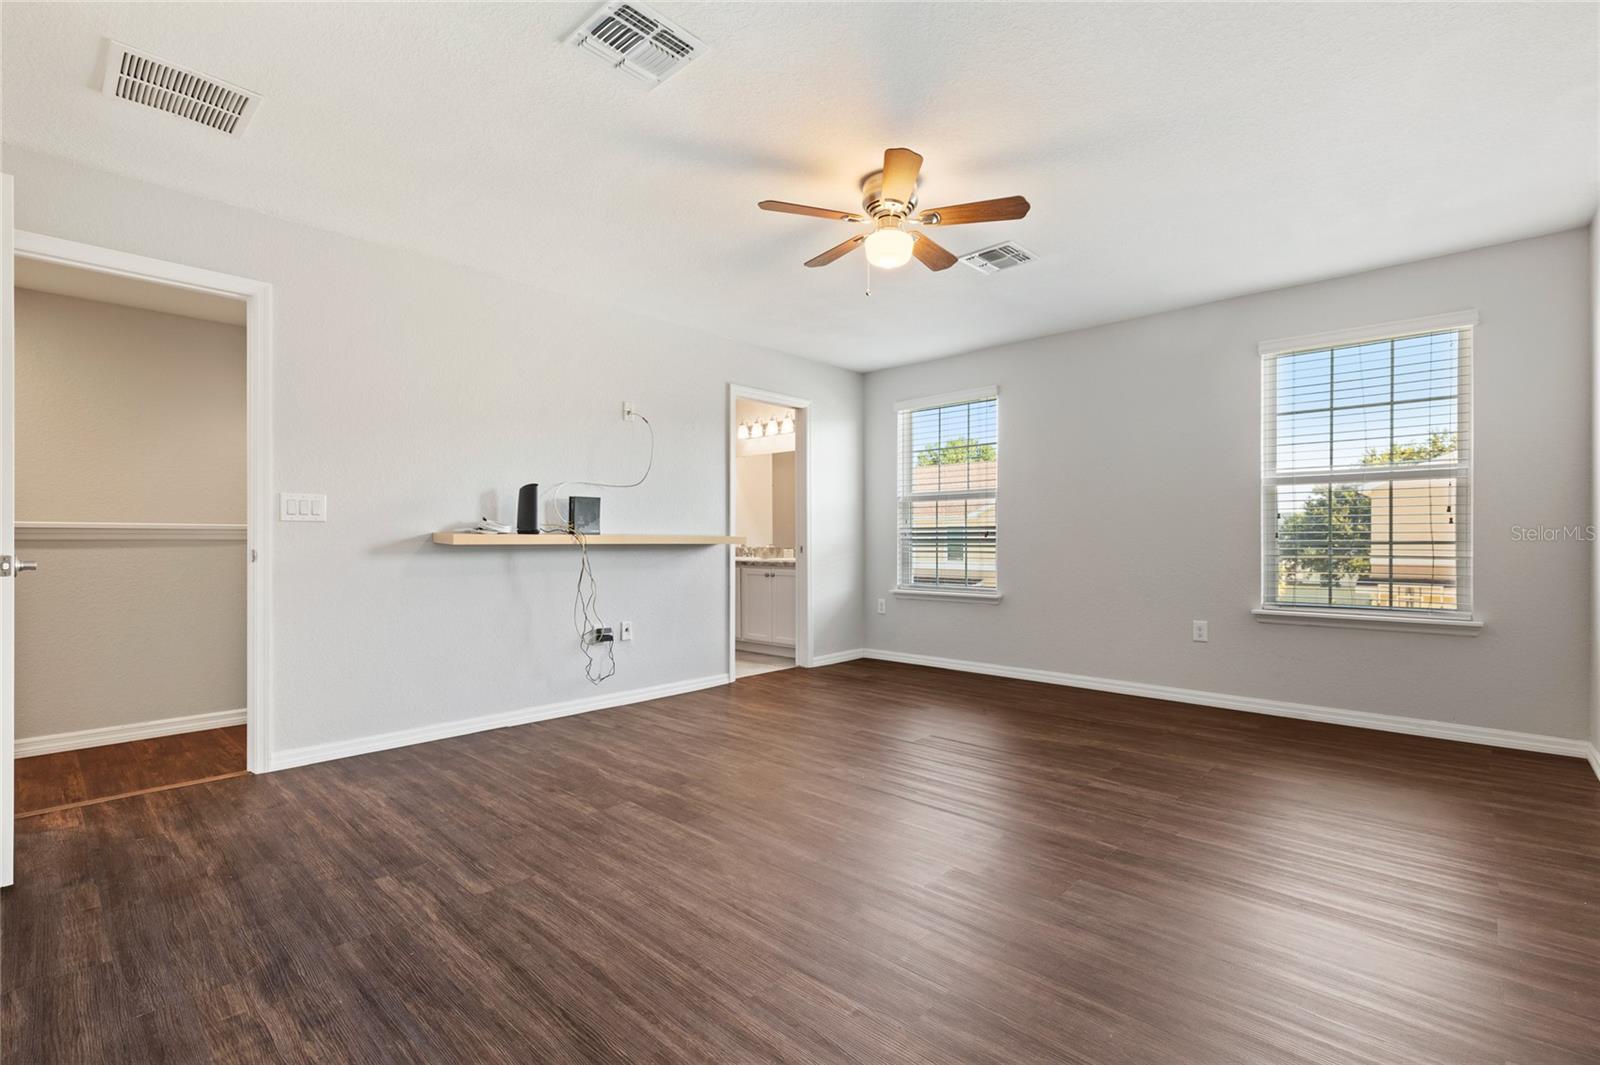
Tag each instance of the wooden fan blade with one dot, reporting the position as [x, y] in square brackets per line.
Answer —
[931, 255]
[960, 214]
[900, 169]
[814, 212]
[838, 251]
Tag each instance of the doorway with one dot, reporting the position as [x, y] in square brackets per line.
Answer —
[83, 550]
[769, 601]
[130, 501]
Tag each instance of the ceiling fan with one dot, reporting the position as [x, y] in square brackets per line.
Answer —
[889, 208]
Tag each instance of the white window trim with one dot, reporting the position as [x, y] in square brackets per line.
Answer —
[1339, 338]
[952, 595]
[1357, 619]
[1464, 624]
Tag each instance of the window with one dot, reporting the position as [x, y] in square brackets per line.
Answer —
[1366, 473]
[947, 486]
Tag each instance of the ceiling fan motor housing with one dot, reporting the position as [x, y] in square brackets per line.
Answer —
[875, 206]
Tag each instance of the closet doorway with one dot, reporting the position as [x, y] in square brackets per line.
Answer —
[133, 528]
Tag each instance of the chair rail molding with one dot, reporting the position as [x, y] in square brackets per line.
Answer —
[124, 531]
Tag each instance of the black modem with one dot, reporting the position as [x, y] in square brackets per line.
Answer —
[583, 514]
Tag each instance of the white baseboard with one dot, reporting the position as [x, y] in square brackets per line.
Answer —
[144, 730]
[327, 752]
[835, 657]
[1412, 726]
[1594, 759]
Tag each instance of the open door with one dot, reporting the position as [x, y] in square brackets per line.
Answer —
[8, 536]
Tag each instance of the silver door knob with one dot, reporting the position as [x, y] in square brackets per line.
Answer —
[11, 566]
[24, 567]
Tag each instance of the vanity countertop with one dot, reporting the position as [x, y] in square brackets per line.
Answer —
[751, 560]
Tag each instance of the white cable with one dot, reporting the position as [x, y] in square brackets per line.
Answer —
[648, 466]
[586, 606]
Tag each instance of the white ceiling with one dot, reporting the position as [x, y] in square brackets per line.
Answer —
[1173, 154]
[41, 275]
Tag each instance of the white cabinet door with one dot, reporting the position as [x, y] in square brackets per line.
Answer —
[782, 596]
[755, 605]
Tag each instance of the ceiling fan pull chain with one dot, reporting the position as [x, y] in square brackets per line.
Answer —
[869, 275]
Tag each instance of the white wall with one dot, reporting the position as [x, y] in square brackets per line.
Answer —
[1594, 433]
[127, 415]
[418, 394]
[1130, 459]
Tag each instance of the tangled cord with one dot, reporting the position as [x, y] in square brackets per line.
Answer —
[586, 603]
[586, 618]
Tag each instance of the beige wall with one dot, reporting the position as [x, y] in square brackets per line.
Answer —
[753, 501]
[126, 415]
[764, 513]
[783, 499]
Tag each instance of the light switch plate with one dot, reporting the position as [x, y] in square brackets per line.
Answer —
[302, 506]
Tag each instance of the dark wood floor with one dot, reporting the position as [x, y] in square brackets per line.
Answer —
[52, 781]
[870, 863]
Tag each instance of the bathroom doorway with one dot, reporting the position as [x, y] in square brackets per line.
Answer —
[767, 495]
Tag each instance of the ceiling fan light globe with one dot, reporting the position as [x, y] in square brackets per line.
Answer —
[888, 248]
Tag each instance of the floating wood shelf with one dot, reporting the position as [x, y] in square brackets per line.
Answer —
[475, 539]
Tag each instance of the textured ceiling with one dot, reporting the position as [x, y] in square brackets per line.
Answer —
[1173, 153]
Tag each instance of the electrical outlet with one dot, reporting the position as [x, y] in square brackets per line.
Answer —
[628, 412]
[883, 606]
[1199, 633]
[625, 631]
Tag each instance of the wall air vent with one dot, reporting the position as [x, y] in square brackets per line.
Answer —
[999, 257]
[142, 79]
[635, 40]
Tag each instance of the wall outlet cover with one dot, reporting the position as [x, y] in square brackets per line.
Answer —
[625, 630]
[302, 506]
[883, 606]
[1199, 632]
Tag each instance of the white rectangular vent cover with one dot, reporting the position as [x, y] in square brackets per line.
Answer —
[142, 79]
[999, 257]
[632, 38]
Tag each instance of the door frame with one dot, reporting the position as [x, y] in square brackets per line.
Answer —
[259, 509]
[802, 517]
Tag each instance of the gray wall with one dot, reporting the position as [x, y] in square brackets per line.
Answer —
[1130, 459]
[127, 415]
[419, 394]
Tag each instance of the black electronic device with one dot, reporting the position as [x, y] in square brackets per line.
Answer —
[583, 514]
[528, 509]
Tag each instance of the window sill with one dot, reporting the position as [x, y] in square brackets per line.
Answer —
[1392, 622]
[947, 595]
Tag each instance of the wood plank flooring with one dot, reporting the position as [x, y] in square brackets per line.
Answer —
[94, 774]
[872, 863]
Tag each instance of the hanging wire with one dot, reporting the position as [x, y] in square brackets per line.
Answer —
[586, 601]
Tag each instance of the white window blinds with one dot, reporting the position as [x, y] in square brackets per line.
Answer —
[949, 458]
[1367, 473]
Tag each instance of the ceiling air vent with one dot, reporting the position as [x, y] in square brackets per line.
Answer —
[632, 38]
[999, 257]
[144, 79]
